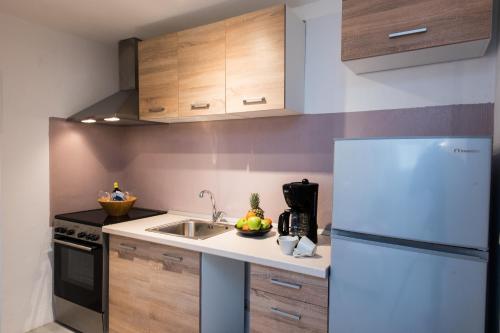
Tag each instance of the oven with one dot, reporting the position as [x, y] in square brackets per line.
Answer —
[81, 267]
[80, 272]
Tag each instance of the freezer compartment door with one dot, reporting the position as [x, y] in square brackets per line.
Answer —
[380, 288]
[433, 190]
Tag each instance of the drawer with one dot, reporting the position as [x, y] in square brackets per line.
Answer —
[128, 247]
[367, 25]
[296, 286]
[273, 313]
[175, 259]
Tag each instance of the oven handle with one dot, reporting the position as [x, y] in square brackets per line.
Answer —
[73, 245]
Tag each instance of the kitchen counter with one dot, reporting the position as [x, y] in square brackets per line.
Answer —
[262, 250]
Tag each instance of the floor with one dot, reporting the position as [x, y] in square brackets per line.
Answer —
[51, 328]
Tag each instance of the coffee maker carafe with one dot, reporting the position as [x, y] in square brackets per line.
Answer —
[301, 218]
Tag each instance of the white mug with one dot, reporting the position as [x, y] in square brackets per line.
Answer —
[305, 248]
[287, 243]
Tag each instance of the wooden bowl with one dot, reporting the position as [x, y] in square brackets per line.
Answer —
[117, 208]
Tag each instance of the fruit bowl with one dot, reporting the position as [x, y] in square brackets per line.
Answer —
[253, 233]
[117, 208]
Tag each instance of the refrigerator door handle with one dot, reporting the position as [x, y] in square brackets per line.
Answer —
[454, 251]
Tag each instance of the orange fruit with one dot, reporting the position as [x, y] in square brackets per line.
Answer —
[249, 214]
[245, 227]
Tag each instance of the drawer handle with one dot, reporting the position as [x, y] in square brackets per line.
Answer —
[285, 314]
[255, 100]
[197, 106]
[286, 284]
[156, 110]
[127, 247]
[171, 257]
[408, 32]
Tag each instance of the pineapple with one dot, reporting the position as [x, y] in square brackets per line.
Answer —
[254, 203]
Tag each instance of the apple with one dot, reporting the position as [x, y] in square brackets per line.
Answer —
[266, 223]
[241, 222]
[254, 223]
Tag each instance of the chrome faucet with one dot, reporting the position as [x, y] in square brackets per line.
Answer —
[216, 214]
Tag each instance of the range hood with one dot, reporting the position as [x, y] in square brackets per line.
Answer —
[121, 108]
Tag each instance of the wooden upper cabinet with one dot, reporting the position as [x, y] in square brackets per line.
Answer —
[202, 70]
[247, 66]
[158, 78]
[371, 29]
[255, 61]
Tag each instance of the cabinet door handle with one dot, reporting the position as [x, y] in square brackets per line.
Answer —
[196, 106]
[254, 100]
[127, 247]
[156, 110]
[285, 314]
[171, 257]
[408, 32]
[286, 284]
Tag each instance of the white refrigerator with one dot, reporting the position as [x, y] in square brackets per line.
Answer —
[410, 235]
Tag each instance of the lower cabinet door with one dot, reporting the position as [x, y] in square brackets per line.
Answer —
[273, 313]
[129, 283]
[174, 290]
[152, 288]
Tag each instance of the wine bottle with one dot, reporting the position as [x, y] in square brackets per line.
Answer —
[117, 194]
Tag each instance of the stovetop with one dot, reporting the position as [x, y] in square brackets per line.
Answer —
[98, 217]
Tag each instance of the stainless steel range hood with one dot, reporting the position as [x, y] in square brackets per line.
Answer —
[121, 108]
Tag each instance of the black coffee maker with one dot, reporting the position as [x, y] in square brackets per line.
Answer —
[301, 219]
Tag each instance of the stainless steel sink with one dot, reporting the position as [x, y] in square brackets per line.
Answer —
[195, 229]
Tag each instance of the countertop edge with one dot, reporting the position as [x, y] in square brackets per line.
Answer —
[319, 273]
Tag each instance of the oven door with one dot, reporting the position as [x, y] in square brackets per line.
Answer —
[78, 272]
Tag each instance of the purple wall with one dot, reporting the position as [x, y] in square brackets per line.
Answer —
[167, 165]
[83, 159]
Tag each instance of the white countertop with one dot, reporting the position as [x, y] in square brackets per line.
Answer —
[262, 250]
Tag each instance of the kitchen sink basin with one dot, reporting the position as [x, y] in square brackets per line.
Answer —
[195, 229]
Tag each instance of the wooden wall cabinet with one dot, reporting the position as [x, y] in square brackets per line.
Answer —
[202, 70]
[158, 78]
[246, 66]
[152, 288]
[264, 63]
[386, 34]
[282, 301]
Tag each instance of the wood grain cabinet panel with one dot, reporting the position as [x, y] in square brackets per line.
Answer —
[152, 288]
[284, 301]
[385, 27]
[274, 313]
[289, 284]
[246, 66]
[202, 70]
[255, 61]
[158, 78]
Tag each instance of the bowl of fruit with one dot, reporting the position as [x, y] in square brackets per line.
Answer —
[254, 223]
[116, 203]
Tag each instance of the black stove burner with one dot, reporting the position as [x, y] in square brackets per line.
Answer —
[98, 217]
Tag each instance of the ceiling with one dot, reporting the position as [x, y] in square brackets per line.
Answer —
[111, 20]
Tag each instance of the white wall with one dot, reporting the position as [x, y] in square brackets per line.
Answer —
[332, 87]
[45, 73]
